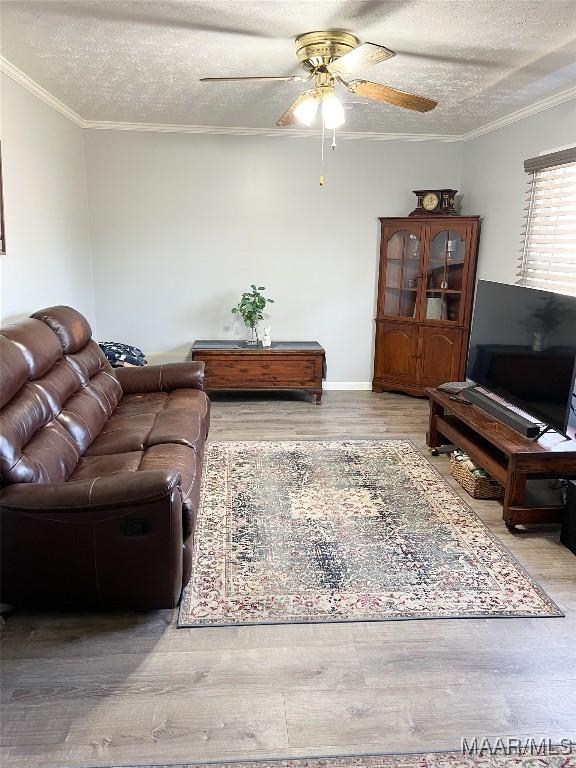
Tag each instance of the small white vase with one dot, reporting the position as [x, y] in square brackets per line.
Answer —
[266, 337]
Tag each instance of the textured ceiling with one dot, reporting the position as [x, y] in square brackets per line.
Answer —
[139, 62]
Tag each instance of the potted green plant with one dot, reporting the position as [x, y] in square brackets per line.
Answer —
[250, 308]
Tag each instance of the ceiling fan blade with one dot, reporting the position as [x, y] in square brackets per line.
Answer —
[288, 116]
[288, 78]
[365, 55]
[390, 95]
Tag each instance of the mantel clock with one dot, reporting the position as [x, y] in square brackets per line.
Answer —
[433, 202]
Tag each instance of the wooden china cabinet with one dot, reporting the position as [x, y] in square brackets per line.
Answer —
[425, 295]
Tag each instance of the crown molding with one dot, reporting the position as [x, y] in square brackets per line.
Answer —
[286, 133]
[291, 133]
[520, 114]
[33, 87]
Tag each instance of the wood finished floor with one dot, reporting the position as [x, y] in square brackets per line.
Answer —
[131, 688]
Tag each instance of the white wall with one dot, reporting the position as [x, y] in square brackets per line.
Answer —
[182, 224]
[494, 183]
[48, 258]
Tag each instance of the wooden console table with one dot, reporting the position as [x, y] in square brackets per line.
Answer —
[504, 453]
[286, 365]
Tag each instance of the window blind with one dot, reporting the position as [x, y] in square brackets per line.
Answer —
[548, 254]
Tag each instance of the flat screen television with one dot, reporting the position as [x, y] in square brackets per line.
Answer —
[523, 349]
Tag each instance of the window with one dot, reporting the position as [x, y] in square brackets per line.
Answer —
[548, 257]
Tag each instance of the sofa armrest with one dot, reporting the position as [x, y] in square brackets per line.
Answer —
[115, 491]
[161, 378]
[113, 542]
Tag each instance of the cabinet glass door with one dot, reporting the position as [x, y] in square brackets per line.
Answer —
[445, 276]
[400, 289]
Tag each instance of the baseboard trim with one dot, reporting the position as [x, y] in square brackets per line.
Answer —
[344, 386]
[160, 358]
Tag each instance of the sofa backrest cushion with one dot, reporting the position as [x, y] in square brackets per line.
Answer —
[57, 391]
[14, 371]
[72, 328]
[37, 343]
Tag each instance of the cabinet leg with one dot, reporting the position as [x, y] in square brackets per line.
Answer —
[513, 496]
[318, 397]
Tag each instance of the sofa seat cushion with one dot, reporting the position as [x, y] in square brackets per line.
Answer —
[191, 400]
[138, 432]
[91, 467]
[169, 456]
[145, 403]
[121, 434]
[176, 458]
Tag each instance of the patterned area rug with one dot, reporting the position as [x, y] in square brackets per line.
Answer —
[554, 757]
[343, 531]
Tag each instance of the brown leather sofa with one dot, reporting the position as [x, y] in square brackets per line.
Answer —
[100, 470]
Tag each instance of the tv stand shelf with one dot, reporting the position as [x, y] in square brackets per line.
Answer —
[508, 456]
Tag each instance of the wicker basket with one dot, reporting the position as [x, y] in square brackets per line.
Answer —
[477, 487]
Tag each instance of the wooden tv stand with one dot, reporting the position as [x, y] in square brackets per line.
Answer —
[504, 453]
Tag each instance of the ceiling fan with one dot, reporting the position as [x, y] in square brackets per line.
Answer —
[328, 58]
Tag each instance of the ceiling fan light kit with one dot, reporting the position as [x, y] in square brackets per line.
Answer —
[328, 57]
[332, 111]
[306, 110]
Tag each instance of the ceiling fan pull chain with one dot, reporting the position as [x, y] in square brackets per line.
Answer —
[333, 145]
[322, 158]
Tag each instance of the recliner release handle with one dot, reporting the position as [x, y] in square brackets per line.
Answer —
[134, 527]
